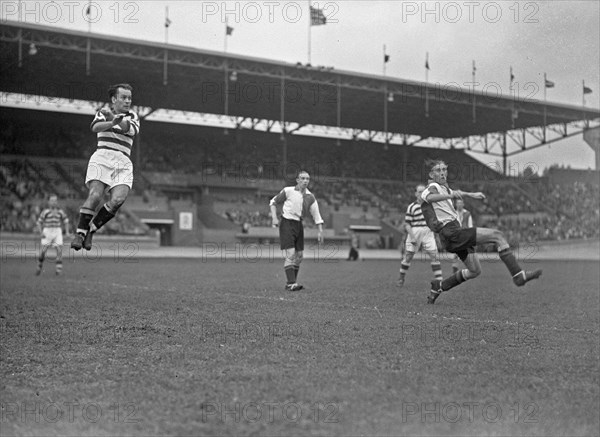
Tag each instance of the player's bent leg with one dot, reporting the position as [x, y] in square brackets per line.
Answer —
[455, 263]
[404, 266]
[436, 265]
[86, 213]
[118, 195]
[41, 258]
[520, 276]
[489, 235]
[472, 271]
[59, 263]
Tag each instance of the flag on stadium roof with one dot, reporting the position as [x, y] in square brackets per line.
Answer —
[548, 84]
[386, 58]
[427, 61]
[167, 22]
[587, 90]
[228, 30]
[317, 18]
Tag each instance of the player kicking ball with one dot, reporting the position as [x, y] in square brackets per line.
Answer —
[442, 218]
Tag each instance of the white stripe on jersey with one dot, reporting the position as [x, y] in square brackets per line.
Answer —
[414, 215]
[52, 218]
[444, 209]
[115, 138]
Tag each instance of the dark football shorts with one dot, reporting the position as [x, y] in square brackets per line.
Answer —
[291, 234]
[458, 240]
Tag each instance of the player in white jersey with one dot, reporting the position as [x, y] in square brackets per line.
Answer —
[297, 202]
[110, 166]
[466, 221]
[418, 235]
[49, 225]
[442, 218]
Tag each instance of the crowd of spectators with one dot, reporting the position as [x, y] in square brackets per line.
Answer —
[353, 174]
[24, 195]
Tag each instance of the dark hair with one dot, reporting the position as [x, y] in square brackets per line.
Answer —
[112, 90]
[430, 163]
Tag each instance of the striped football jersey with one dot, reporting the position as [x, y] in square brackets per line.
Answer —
[52, 218]
[115, 138]
[414, 216]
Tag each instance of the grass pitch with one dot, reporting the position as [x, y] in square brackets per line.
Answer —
[186, 347]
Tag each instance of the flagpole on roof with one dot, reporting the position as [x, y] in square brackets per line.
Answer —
[309, 29]
[510, 88]
[88, 49]
[166, 52]
[474, 98]
[545, 109]
[426, 84]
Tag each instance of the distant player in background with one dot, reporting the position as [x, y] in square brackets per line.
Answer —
[110, 166]
[297, 202]
[353, 253]
[49, 225]
[418, 234]
[466, 221]
[442, 218]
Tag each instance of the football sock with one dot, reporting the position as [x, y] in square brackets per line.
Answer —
[436, 266]
[508, 258]
[85, 217]
[404, 268]
[290, 274]
[296, 271]
[454, 279]
[103, 216]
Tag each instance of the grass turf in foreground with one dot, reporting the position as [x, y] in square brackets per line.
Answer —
[184, 347]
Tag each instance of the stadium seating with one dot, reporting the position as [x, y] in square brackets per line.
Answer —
[243, 169]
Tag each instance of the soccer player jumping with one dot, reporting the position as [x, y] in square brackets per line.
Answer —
[441, 217]
[110, 166]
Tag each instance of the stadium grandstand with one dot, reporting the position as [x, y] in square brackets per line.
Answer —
[222, 133]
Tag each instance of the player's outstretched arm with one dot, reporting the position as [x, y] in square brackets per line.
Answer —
[476, 195]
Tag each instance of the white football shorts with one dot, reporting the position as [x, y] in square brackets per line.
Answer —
[52, 236]
[424, 237]
[110, 167]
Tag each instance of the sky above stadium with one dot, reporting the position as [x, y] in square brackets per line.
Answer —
[559, 38]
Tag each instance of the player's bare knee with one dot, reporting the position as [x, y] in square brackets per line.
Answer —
[117, 201]
[499, 237]
[95, 196]
[299, 257]
[474, 271]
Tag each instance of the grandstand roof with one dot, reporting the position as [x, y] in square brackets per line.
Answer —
[195, 81]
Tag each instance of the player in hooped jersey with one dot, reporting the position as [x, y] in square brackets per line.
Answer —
[418, 235]
[442, 218]
[49, 225]
[110, 166]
